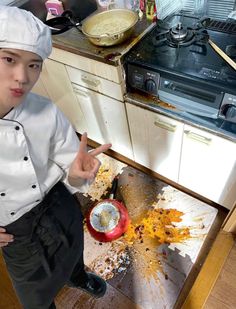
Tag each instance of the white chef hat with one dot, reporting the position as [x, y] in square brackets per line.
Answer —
[20, 29]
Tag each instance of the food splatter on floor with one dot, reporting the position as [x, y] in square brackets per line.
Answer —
[140, 243]
[160, 224]
[156, 228]
[116, 261]
[162, 221]
[151, 261]
[103, 181]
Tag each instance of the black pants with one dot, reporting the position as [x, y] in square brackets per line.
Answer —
[47, 251]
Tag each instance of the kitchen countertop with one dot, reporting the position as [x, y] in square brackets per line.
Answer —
[76, 42]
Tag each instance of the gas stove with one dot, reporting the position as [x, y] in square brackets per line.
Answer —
[176, 63]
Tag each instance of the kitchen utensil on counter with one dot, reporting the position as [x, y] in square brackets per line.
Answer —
[62, 23]
[103, 29]
[107, 220]
[205, 22]
[222, 54]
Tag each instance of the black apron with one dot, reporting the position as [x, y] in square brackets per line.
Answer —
[48, 245]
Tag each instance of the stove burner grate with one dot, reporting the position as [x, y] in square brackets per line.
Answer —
[178, 36]
[222, 26]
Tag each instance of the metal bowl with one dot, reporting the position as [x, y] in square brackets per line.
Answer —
[109, 27]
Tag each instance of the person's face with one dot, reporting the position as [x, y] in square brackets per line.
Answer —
[19, 71]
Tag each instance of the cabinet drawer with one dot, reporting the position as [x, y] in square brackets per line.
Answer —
[95, 83]
[106, 71]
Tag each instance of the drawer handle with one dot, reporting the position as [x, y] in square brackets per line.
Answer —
[90, 81]
[197, 137]
[165, 125]
[80, 92]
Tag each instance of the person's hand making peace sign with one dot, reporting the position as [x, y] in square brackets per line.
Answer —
[85, 164]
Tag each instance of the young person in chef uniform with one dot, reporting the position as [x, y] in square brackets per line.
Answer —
[42, 164]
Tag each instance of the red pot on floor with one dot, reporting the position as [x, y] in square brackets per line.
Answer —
[107, 220]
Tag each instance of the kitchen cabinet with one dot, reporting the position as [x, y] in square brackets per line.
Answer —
[106, 119]
[156, 141]
[91, 96]
[208, 166]
[55, 84]
[196, 159]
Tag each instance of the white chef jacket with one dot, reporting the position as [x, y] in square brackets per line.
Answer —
[37, 146]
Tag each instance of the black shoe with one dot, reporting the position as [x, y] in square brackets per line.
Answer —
[94, 285]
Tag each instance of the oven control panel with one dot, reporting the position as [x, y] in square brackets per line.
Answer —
[228, 108]
[142, 79]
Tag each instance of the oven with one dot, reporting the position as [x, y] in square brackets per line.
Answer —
[175, 63]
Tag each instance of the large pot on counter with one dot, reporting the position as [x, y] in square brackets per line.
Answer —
[103, 29]
[110, 27]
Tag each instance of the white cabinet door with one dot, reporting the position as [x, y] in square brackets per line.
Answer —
[58, 88]
[208, 166]
[106, 120]
[156, 141]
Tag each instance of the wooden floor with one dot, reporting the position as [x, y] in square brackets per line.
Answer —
[223, 295]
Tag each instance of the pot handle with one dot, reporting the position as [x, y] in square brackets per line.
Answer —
[114, 188]
[58, 24]
[62, 23]
[70, 16]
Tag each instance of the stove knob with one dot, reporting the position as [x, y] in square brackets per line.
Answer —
[151, 86]
[230, 111]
